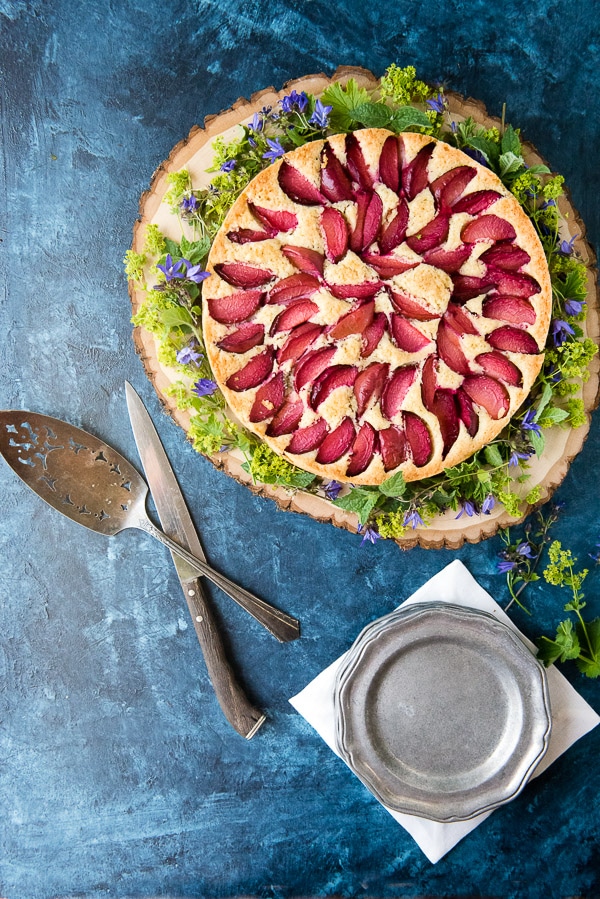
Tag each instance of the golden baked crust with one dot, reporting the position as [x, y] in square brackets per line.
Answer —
[444, 375]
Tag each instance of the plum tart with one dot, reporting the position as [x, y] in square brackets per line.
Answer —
[377, 302]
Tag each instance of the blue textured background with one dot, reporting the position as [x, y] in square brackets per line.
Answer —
[118, 775]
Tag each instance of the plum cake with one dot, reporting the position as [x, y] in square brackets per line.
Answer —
[377, 302]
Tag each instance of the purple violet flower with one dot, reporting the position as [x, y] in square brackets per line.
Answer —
[228, 165]
[204, 387]
[369, 535]
[468, 508]
[195, 273]
[596, 556]
[275, 151]
[320, 116]
[189, 204]
[332, 490]
[505, 565]
[453, 127]
[574, 307]
[516, 457]
[413, 519]
[295, 99]
[488, 504]
[170, 269]
[477, 155]
[257, 122]
[524, 549]
[565, 247]
[560, 331]
[438, 104]
[529, 424]
[188, 355]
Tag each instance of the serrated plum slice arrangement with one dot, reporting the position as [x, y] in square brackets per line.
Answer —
[377, 302]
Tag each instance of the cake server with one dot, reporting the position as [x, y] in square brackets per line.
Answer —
[177, 523]
[90, 483]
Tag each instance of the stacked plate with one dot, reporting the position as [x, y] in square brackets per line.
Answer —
[442, 711]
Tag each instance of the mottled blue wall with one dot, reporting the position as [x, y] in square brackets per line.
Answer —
[118, 775]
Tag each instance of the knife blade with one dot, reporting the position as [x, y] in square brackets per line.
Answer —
[177, 523]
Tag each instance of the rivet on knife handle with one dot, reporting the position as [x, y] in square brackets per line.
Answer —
[236, 706]
[280, 624]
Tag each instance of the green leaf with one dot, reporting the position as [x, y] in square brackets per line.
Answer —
[552, 416]
[591, 635]
[176, 317]
[343, 102]
[538, 442]
[565, 646]
[360, 501]
[543, 401]
[406, 117]
[493, 456]
[372, 115]
[510, 141]
[489, 148]
[173, 248]
[540, 169]
[195, 251]
[394, 486]
[509, 163]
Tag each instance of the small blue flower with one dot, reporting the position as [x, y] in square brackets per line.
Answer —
[320, 116]
[516, 457]
[189, 204]
[189, 355]
[195, 273]
[453, 127]
[596, 556]
[332, 490]
[438, 104]
[560, 331]
[228, 165]
[257, 122]
[468, 508]
[565, 247]
[524, 549]
[251, 141]
[295, 99]
[204, 387]
[488, 504]
[574, 307]
[370, 535]
[477, 155]
[505, 565]
[413, 519]
[170, 269]
[275, 151]
[529, 424]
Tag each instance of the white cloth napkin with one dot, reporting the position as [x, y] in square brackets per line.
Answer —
[572, 717]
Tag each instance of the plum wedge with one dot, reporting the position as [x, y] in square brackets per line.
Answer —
[363, 450]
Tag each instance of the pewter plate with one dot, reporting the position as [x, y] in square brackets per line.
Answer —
[442, 711]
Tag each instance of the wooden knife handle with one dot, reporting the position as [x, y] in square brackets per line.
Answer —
[236, 706]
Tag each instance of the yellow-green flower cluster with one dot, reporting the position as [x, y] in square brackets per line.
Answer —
[401, 85]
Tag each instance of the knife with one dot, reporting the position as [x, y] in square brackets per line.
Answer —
[177, 524]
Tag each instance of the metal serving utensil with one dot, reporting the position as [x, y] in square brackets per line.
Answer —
[92, 484]
[177, 522]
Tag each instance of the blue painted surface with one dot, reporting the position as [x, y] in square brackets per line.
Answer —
[118, 775]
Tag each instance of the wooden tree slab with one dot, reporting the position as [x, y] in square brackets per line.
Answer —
[194, 153]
